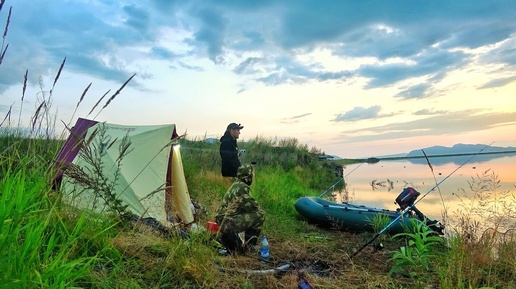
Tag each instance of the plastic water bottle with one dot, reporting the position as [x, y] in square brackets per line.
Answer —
[264, 249]
[303, 284]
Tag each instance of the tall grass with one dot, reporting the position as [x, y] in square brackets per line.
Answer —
[95, 177]
[418, 256]
[51, 245]
[43, 243]
[482, 249]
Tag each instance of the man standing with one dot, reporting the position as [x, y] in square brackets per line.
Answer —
[229, 150]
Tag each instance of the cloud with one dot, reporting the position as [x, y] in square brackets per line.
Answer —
[110, 39]
[137, 18]
[41, 35]
[340, 75]
[431, 62]
[163, 53]
[439, 124]
[359, 113]
[301, 116]
[165, 6]
[249, 40]
[280, 69]
[429, 112]
[283, 69]
[384, 30]
[211, 33]
[190, 67]
[295, 119]
[415, 91]
[249, 65]
[506, 53]
[498, 82]
[4, 108]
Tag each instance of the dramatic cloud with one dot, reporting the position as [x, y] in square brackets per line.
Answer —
[106, 38]
[427, 63]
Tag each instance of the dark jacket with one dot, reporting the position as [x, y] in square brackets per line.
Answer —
[229, 155]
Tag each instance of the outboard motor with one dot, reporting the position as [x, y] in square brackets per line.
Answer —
[406, 199]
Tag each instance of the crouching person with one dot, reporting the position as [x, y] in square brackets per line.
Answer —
[239, 217]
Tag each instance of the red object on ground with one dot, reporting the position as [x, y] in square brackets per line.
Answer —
[212, 227]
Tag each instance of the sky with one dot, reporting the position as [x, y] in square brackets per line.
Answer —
[350, 78]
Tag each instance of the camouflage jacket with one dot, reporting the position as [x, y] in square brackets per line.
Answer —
[237, 201]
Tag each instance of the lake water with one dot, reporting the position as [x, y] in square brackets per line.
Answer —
[379, 184]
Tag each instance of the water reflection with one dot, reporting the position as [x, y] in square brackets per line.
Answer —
[447, 189]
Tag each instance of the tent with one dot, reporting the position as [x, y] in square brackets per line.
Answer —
[149, 179]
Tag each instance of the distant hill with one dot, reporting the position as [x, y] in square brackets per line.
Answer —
[439, 155]
[459, 153]
[460, 149]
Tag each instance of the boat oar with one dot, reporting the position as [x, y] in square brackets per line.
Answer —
[413, 205]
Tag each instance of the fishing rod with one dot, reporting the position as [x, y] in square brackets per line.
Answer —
[438, 188]
[340, 180]
[414, 204]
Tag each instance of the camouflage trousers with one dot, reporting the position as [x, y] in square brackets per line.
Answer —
[248, 226]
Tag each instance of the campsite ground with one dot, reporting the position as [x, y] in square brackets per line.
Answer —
[322, 256]
[49, 244]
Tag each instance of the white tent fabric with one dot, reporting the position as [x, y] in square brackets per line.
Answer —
[141, 184]
[179, 187]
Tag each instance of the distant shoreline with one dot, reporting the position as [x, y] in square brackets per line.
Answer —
[378, 159]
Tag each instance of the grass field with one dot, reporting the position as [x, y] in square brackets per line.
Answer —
[48, 244]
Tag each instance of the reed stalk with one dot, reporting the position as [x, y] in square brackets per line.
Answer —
[79, 103]
[115, 95]
[3, 48]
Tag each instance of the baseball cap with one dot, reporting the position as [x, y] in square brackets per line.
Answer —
[235, 126]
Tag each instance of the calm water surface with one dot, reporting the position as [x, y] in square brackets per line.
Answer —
[379, 184]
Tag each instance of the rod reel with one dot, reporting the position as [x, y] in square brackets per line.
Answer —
[406, 200]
